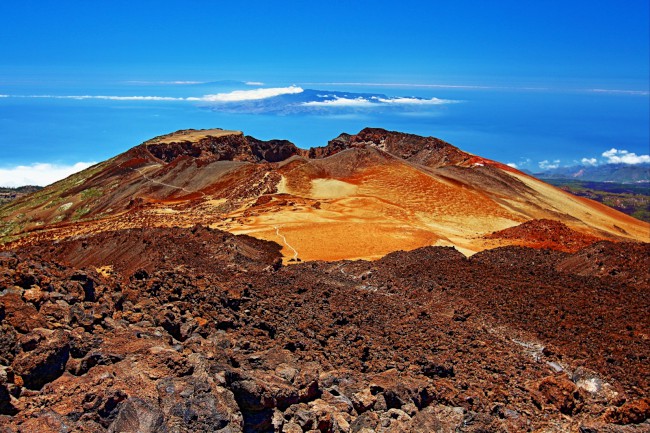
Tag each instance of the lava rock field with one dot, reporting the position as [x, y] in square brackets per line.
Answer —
[199, 330]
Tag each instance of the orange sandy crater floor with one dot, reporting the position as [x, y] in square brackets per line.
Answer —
[395, 207]
[380, 210]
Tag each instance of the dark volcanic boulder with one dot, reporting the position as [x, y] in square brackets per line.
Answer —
[44, 363]
[6, 408]
[138, 416]
[7, 343]
[197, 405]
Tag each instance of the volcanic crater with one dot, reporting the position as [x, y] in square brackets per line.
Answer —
[376, 192]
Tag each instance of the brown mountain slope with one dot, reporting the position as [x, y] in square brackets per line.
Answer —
[361, 196]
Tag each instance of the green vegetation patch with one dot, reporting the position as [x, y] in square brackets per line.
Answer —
[91, 193]
[54, 203]
[80, 212]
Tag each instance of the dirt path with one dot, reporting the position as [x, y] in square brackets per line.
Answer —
[277, 232]
[146, 177]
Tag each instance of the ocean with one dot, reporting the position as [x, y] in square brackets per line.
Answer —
[68, 123]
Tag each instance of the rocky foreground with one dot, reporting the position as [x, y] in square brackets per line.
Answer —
[198, 330]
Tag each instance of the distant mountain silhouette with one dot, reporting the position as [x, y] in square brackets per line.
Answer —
[620, 173]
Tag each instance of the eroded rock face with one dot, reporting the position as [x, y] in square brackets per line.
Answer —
[428, 151]
[234, 147]
[272, 150]
[512, 339]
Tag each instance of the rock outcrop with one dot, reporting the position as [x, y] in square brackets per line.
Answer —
[225, 147]
[428, 151]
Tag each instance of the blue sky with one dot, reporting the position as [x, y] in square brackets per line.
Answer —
[564, 43]
[534, 84]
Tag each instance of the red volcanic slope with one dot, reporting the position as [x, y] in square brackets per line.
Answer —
[361, 196]
[546, 234]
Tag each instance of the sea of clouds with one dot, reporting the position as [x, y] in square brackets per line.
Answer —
[290, 99]
[40, 174]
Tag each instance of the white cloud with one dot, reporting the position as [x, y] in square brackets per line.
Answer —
[415, 101]
[620, 92]
[512, 164]
[549, 165]
[340, 102]
[4, 96]
[171, 83]
[260, 94]
[461, 86]
[234, 96]
[254, 83]
[620, 156]
[436, 86]
[39, 173]
[106, 97]
[129, 98]
[181, 83]
[589, 161]
[249, 95]
[374, 101]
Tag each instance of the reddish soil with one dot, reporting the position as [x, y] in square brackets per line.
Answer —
[146, 249]
[545, 233]
[200, 330]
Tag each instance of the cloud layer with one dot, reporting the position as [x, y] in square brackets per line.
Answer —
[620, 92]
[249, 95]
[280, 100]
[549, 165]
[337, 101]
[352, 100]
[611, 156]
[415, 101]
[106, 97]
[234, 96]
[40, 174]
[620, 156]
